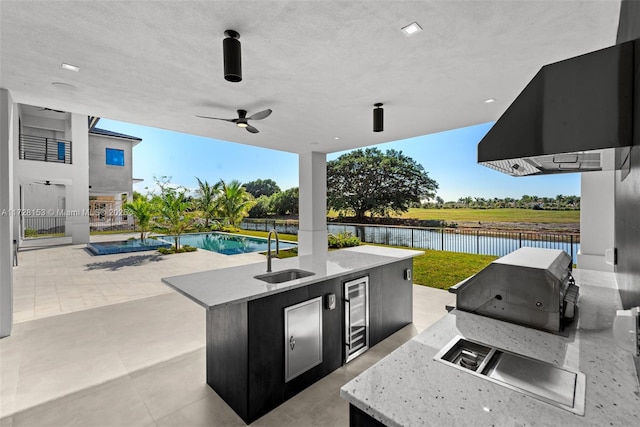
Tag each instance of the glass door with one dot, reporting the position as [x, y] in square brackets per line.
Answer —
[356, 317]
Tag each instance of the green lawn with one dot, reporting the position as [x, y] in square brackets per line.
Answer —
[496, 215]
[442, 269]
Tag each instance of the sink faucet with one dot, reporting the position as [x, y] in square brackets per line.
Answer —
[269, 248]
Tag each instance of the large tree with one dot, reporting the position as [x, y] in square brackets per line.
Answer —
[262, 187]
[368, 180]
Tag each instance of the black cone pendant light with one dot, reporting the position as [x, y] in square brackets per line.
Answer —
[232, 56]
[378, 118]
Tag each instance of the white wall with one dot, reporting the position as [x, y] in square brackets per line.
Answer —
[108, 179]
[8, 133]
[75, 176]
[312, 233]
[597, 217]
[78, 191]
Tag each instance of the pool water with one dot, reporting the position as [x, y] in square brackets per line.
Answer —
[227, 244]
[125, 246]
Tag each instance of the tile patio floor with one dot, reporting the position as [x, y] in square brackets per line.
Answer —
[99, 341]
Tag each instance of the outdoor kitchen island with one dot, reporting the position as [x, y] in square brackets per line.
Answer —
[256, 330]
[410, 388]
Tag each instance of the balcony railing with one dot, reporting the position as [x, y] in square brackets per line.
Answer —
[45, 149]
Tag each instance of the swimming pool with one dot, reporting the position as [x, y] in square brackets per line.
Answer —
[227, 244]
[125, 246]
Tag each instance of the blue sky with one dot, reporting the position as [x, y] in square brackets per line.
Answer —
[449, 158]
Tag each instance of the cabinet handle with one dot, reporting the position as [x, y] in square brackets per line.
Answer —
[292, 342]
[347, 323]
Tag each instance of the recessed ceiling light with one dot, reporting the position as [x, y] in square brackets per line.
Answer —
[336, 137]
[411, 29]
[489, 100]
[70, 67]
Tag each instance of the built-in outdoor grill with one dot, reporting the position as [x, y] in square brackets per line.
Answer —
[530, 286]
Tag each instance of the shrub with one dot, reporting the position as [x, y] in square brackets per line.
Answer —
[343, 240]
[30, 232]
[172, 250]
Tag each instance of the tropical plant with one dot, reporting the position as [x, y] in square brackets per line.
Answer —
[234, 201]
[173, 212]
[143, 210]
[207, 200]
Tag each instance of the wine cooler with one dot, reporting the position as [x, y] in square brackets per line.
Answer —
[356, 313]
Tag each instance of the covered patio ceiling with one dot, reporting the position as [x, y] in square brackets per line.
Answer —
[320, 65]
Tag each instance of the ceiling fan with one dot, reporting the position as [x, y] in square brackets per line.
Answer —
[47, 182]
[51, 109]
[243, 121]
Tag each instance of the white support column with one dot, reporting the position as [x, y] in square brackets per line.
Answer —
[8, 131]
[597, 216]
[312, 231]
[78, 192]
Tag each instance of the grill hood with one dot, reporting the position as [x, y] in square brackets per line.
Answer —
[567, 115]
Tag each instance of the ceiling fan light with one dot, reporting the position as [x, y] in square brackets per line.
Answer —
[378, 118]
[232, 56]
[242, 125]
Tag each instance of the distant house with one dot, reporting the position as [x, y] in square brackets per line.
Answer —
[110, 173]
[62, 182]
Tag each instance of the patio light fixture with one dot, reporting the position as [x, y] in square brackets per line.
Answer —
[378, 117]
[232, 56]
[411, 29]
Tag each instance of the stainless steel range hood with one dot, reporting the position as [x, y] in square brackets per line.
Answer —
[566, 115]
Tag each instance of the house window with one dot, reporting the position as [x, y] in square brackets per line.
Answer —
[61, 151]
[115, 157]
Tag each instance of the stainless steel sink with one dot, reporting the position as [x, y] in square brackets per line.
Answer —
[544, 381]
[284, 275]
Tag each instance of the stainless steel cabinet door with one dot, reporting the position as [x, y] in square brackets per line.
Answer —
[303, 337]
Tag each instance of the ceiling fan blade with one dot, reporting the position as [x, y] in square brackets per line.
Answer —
[217, 118]
[261, 115]
[252, 129]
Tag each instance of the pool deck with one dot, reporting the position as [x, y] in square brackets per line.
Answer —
[53, 280]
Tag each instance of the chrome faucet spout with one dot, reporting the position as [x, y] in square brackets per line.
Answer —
[269, 247]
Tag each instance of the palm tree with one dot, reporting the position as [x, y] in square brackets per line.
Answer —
[173, 208]
[234, 201]
[142, 209]
[207, 200]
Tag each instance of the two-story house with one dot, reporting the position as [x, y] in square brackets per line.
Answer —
[52, 166]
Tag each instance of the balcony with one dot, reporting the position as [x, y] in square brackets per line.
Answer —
[44, 149]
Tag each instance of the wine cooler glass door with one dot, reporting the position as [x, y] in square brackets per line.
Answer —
[356, 317]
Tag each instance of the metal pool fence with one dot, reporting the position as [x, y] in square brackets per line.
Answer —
[484, 242]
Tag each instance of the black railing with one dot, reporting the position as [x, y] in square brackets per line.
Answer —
[281, 226]
[39, 226]
[485, 242]
[45, 149]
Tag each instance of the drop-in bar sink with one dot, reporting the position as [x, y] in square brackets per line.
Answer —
[283, 276]
[544, 381]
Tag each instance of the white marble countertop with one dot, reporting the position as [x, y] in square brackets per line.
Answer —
[237, 284]
[410, 388]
